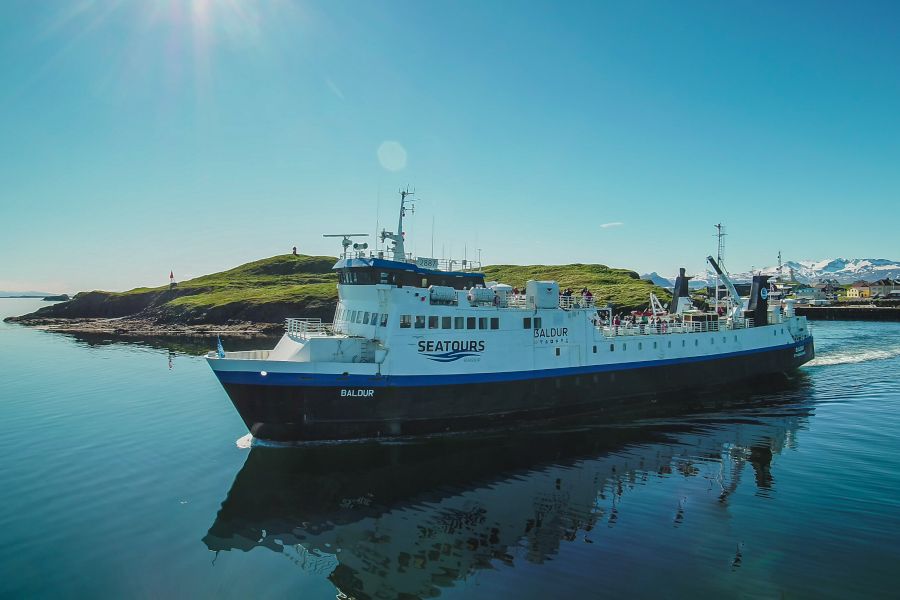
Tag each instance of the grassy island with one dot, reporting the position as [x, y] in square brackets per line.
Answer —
[268, 290]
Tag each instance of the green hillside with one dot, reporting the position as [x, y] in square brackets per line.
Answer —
[265, 290]
[270, 289]
[622, 287]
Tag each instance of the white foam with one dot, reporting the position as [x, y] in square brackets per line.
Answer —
[244, 442]
[846, 358]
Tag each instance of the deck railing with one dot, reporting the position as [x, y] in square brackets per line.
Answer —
[673, 327]
[307, 327]
[565, 302]
[570, 302]
[439, 264]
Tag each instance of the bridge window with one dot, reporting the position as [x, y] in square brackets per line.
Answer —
[482, 323]
[526, 323]
[470, 322]
[365, 318]
[384, 319]
[359, 317]
[446, 322]
[353, 316]
[374, 319]
[459, 322]
[405, 321]
[495, 323]
[420, 321]
[432, 322]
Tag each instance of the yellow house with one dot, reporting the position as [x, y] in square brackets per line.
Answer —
[860, 289]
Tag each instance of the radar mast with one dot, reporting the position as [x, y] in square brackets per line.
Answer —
[347, 242]
[397, 238]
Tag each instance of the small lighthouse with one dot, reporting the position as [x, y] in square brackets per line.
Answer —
[171, 279]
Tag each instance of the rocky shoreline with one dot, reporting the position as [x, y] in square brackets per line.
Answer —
[135, 326]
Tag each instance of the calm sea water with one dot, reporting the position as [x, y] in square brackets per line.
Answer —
[122, 477]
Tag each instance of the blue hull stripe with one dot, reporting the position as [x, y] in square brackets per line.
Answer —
[372, 381]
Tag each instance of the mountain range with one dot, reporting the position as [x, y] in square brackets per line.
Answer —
[27, 294]
[844, 270]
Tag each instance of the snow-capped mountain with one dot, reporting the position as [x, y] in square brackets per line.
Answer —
[844, 270]
[658, 279]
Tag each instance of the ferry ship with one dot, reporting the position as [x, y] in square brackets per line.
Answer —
[418, 346]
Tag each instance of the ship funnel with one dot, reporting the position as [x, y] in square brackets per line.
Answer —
[759, 300]
[681, 295]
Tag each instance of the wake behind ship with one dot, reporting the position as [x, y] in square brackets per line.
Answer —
[419, 347]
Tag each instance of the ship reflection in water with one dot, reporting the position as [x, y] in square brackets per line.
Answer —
[410, 519]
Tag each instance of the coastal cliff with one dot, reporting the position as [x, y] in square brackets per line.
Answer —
[256, 297]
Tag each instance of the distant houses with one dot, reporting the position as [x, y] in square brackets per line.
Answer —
[884, 288]
[808, 293]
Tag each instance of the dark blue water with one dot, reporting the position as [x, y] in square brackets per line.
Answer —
[121, 476]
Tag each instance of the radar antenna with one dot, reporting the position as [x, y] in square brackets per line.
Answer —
[347, 243]
[397, 238]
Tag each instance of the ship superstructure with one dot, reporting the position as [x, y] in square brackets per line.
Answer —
[426, 345]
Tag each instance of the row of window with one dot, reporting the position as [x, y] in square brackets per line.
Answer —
[411, 278]
[640, 345]
[419, 322]
[363, 317]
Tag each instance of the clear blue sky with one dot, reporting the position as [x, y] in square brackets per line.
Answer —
[139, 137]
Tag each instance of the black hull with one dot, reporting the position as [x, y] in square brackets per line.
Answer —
[305, 413]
